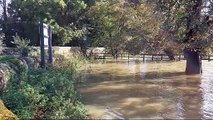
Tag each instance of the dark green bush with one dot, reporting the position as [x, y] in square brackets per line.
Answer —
[45, 94]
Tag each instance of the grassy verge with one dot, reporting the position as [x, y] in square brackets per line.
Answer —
[46, 94]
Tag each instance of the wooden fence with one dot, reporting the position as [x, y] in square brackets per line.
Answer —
[143, 57]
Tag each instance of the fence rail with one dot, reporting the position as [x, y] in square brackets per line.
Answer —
[143, 57]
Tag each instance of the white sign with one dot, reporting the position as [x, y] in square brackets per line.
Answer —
[46, 36]
[45, 30]
[46, 41]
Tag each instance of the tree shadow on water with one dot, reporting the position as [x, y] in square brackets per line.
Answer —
[136, 77]
[139, 100]
[139, 95]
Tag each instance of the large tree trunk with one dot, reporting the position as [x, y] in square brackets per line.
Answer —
[193, 61]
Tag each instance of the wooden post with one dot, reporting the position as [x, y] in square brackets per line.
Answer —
[128, 57]
[179, 57]
[104, 57]
[161, 57]
[121, 56]
[116, 57]
[209, 58]
[152, 57]
[143, 58]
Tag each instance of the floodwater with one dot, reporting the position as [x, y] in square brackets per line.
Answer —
[147, 90]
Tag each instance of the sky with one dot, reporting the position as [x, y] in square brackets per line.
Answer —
[1, 7]
[206, 9]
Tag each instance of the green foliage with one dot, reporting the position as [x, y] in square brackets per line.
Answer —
[135, 46]
[143, 25]
[187, 23]
[22, 44]
[117, 24]
[61, 15]
[45, 94]
[106, 21]
[75, 64]
[17, 65]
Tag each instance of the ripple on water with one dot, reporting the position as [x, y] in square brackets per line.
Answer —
[156, 90]
[207, 90]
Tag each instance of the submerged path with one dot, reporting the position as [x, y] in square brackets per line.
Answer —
[150, 90]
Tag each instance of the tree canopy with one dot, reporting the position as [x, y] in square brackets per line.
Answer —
[189, 22]
[63, 16]
[119, 25]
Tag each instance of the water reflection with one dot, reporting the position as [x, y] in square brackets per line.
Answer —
[148, 90]
[207, 91]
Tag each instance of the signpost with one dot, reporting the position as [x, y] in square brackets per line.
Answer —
[45, 43]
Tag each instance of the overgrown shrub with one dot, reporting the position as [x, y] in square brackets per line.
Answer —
[14, 65]
[22, 45]
[74, 64]
[46, 94]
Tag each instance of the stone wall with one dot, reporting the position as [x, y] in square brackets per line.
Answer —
[65, 51]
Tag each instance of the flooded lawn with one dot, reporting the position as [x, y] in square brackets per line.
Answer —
[147, 90]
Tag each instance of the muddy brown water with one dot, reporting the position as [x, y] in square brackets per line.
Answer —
[148, 90]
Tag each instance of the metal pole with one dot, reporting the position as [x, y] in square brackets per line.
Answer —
[50, 60]
[42, 45]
